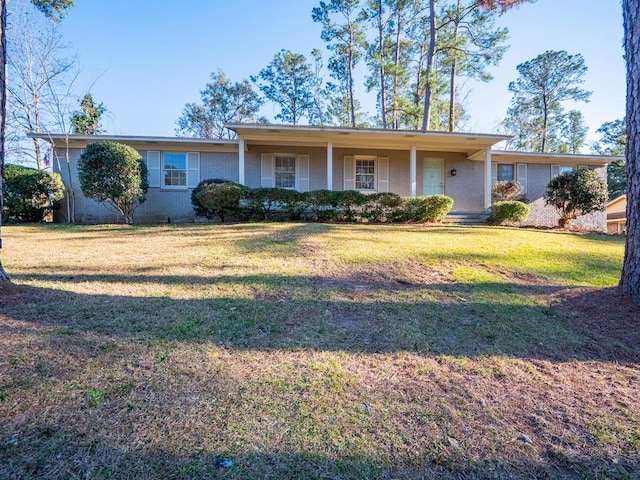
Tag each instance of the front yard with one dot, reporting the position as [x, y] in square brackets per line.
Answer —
[316, 351]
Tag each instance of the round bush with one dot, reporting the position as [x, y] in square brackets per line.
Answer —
[114, 173]
[509, 211]
[432, 208]
[576, 193]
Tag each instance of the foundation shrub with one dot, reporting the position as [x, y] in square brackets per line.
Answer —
[382, 207]
[509, 211]
[431, 208]
[221, 198]
[349, 205]
[322, 205]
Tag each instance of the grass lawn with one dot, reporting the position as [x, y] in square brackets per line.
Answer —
[312, 351]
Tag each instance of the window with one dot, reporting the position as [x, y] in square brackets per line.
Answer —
[565, 169]
[285, 171]
[174, 170]
[505, 172]
[365, 174]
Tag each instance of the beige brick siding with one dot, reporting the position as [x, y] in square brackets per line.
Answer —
[161, 205]
[466, 188]
[542, 215]
[219, 165]
[317, 164]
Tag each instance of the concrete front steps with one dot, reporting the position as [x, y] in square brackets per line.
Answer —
[466, 218]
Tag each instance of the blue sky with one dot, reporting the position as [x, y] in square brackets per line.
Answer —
[145, 59]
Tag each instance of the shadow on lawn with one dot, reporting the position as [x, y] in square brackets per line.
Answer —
[443, 462]
[289, 313]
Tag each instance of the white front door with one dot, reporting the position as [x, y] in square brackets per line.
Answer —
[432, 177]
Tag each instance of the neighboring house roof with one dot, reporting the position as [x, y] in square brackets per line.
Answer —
[618, 200]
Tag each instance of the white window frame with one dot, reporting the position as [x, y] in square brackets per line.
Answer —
[513, 172]
[558, 169]
[163, 172]
[291, 156]
[366, 158]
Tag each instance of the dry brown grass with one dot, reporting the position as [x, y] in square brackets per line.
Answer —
[314, 351]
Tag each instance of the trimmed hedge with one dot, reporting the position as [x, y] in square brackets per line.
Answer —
[219, 198]
[509, 211]
[216, 198]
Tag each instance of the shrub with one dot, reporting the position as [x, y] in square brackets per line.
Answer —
[509, 211]
[322, 204]
[432, 208]
[277, 203]
[29, 194]
[262, 202]
[294, 203]
[114, 173]
[222, 199]
[576, 193]
[198, 208]
[349, 203]
[381, 207]
[506, 190]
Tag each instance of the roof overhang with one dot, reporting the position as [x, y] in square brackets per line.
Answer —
[61, 140]
[370, 138]
[507, 156]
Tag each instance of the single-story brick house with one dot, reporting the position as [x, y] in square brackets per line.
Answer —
[463, 166]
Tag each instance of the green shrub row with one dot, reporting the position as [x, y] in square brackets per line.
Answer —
[222, 199]
[29, 194]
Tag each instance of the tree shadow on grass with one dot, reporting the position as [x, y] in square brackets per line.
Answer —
[74, 455]
[272, 312]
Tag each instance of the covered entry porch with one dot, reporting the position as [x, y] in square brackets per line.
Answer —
[409, 163]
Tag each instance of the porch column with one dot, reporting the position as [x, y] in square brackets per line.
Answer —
[329, 166]
[487, 180]
[413, 170]
[240, 160]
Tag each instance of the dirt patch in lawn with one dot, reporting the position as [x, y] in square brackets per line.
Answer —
[399, 275]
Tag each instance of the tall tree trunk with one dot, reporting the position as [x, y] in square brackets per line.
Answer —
[4, 278]
[350, 57]
[452, 80]
[630, 279]
[431, 53]
[396, 61]
[452, 95]
[383, 85]
[545, 125]
[352, 103]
